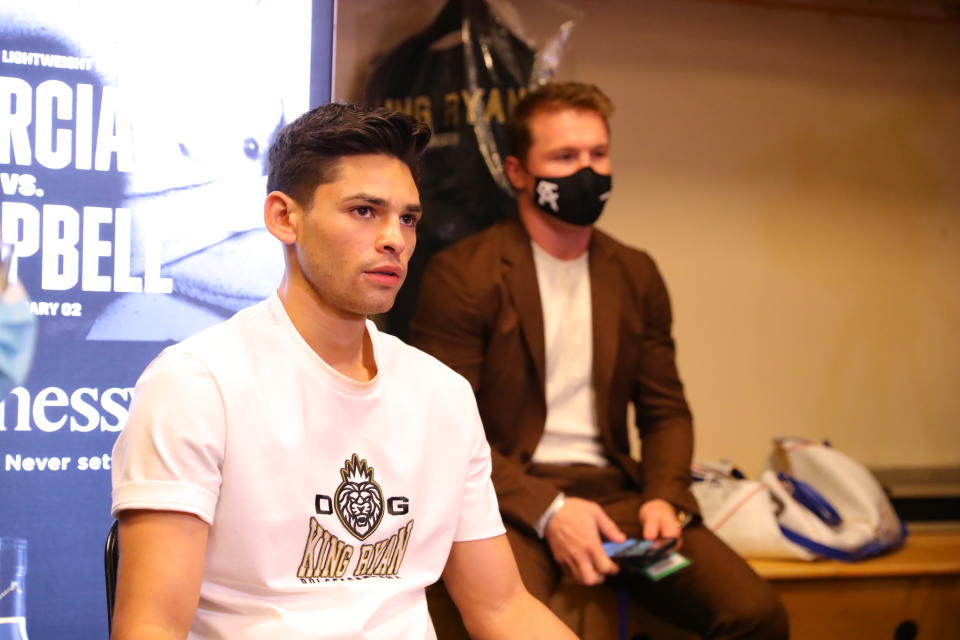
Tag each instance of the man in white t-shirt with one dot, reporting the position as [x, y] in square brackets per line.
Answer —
[294, 473]
[559, 327]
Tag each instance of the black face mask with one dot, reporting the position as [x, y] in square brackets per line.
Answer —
[577, 198]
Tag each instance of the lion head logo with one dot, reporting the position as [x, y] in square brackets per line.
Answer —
[359, 499]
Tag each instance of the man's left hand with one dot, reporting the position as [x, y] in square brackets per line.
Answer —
[659, 519]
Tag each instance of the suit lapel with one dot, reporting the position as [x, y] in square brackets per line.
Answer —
[605, 296]
[521, 277]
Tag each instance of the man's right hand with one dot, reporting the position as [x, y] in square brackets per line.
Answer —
[574, 535]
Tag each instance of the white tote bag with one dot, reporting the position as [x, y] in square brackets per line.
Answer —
[812, 502]
[743, 513]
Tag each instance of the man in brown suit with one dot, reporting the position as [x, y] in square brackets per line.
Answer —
[559, 327]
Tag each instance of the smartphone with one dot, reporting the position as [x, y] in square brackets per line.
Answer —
[632, 553]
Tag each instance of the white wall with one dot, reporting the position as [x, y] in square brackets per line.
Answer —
[796, 174]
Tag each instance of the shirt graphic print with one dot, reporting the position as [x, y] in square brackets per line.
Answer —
[358, 502]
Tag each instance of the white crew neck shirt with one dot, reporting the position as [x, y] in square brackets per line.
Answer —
[570, 435]
[333, 503]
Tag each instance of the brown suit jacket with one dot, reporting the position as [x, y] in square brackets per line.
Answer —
[479, 312]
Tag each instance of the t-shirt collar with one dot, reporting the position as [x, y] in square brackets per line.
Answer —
[336, 379]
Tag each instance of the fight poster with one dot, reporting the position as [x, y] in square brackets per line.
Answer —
[133, 141]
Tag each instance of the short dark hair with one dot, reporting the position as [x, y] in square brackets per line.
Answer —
[554, 96]
[305, 153]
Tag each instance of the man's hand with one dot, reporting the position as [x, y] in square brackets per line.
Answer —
[573, 534]
[659, 520]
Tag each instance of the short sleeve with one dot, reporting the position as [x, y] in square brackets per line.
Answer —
[479, 513]
[169, 455]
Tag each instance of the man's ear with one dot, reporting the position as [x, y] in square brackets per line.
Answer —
[515, 172]
[280, 216]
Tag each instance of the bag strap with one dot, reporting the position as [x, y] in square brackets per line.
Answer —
[810, 498]
[872, 548]
[818, 548]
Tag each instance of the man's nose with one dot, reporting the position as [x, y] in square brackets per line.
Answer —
[391, 236]
[586, 159]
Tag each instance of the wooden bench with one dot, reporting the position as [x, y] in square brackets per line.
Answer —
[917, 585]
[913, 592]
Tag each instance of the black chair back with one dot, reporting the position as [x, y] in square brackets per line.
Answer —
[111, 557]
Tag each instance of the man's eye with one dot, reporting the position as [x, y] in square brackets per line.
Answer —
[409, 219]
[363, 212]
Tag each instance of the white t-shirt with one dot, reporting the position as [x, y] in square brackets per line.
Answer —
[570, 433]
[332, 502]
